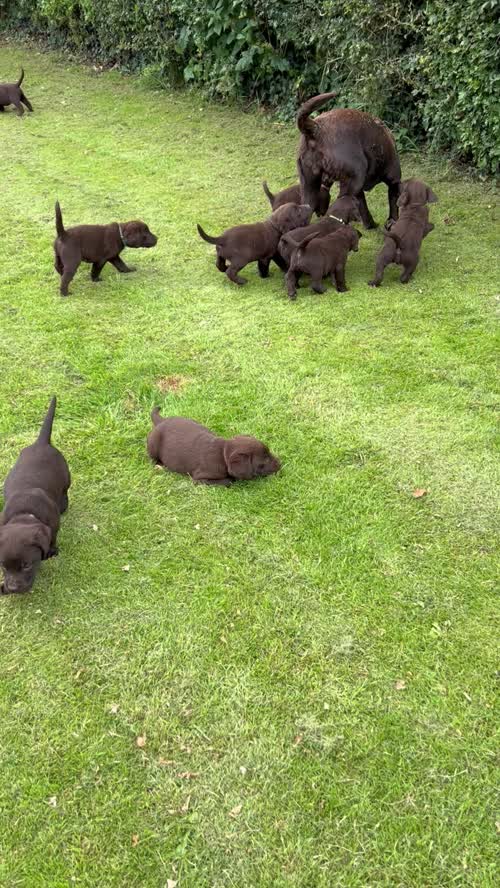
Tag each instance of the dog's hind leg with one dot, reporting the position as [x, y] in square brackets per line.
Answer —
[68, 275]
[263, 267]
[291, 283]
[20, 109]
[120, 265]
[385, 257]
[232, 274]
[366, 217]
[317, 286]
[26, 102]
[220, 263]
[408, 271]
[58, 264]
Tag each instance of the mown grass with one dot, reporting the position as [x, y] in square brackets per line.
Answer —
[261, 633]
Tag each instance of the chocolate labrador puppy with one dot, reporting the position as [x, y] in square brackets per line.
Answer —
[402, 242]
[341, 212]
[293, 195]
[97, 244]
[12, 94]
[255, 243]
[322, 256]
[35, 494]
[189, 448]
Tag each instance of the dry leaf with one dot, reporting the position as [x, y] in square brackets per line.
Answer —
[467, 696]
[243, 770]
[298, 740]
[185, 807]
[162, 761]
[114, 708]
[497, 825]
[400, 685]
[126, 568]
[171, 883]
[188, 775]
[95, 527]
[135, 840]
[53, 801]
[236, 811]
[140, 741]
[419, 493]
[77, 674]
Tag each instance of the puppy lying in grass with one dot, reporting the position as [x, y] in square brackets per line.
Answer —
[36, 495]
[340, 212]
[189, 448]
[293, 195]
[257, 242]
[403, 240]
[97, 244]
[12, 94]
[322, 256]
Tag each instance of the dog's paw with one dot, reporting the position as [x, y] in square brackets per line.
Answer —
[374, 283]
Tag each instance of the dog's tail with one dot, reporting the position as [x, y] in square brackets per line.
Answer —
[269, 194]
[305, 122]
[155, 416]
[307, 240]
[21, 78]
[395, 237]
[59, 221]
[207, 237]
[46, 430]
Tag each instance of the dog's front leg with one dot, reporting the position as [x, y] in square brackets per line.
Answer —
[120, 266]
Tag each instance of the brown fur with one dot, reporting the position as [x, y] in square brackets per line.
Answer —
[403, 240]
[97, 244]
[340, 212]
[255, 243]
[12, 94]
[35, 494]
[293, 194]
[350, 147]
[189, 448]
[322, 256]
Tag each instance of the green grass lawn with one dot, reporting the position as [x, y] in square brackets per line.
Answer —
[311, 657]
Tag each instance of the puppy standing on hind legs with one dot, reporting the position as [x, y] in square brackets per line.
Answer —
[403, 240]
[96, 244]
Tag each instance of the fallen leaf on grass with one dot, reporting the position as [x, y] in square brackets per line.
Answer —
[171, 883]
[95, 527]
[171, 383]
[400, 685]
[298, 740]
[126, 568]
[114, 708]
[467, 697]
[188, 775]
[140, 741]
[497, 825]
[53, 801]
[162, 761]
[236, 811]
[135, 840]
[419, 493]
[185, 807]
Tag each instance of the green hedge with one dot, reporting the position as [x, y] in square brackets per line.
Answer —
[428, 67]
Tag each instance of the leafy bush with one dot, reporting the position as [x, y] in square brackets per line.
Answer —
[425, 66]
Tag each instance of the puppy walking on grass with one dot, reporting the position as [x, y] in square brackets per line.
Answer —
[256, 243]
[97, 244]
[12, 94]
[320, 257]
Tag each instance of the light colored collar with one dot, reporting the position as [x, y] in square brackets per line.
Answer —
[124, 242]
[337, 219]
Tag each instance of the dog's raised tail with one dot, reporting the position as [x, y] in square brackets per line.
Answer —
[305, 122]
[59, 221]
[46, 430]
[269, 194]
[155, 416]
[21, 78]
[395, 237]
[207, 237]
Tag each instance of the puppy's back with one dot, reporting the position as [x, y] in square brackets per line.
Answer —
[179, 443]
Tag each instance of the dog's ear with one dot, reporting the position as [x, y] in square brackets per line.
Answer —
[431, 197]
[403, 199]
[41, 538]
[238, 462]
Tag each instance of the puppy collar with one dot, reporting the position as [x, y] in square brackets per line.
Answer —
[124, 242]
[336, 219]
